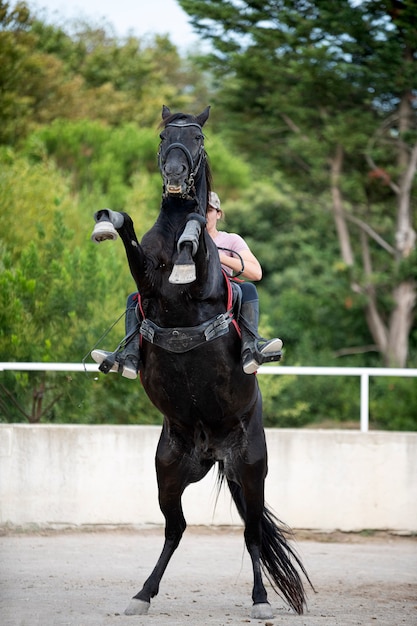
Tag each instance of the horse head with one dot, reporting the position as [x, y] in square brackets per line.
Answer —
[182, 157]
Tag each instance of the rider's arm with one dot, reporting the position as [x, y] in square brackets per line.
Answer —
[252, 271]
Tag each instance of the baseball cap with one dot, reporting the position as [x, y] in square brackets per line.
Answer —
[214, 200]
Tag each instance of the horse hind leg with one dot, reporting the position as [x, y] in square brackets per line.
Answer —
[269, 550]
[250, 507]
[173, 477]
[266, 542]
[175, 526]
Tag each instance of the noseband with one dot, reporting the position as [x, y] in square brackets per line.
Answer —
[192, 166]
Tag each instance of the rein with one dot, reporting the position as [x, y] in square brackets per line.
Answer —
[240, 272]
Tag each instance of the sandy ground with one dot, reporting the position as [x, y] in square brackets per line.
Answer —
[87, 579]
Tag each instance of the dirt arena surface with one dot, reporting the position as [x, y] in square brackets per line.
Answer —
[87, 579]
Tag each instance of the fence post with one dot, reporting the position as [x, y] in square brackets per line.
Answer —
[364, 403]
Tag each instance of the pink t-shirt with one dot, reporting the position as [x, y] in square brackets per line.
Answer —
[232, 241]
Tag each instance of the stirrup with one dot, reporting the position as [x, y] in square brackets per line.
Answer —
[273, 346]
[107, 361]
[257, 355]
[128, 366]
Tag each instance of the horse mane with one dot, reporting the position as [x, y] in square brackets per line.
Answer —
[208, 177]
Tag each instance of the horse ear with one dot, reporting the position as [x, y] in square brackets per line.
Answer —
[165, 112]
[203, 117]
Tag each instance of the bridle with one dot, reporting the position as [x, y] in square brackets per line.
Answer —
[193, 165]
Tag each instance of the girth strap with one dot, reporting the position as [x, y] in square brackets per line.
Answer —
[182, 339]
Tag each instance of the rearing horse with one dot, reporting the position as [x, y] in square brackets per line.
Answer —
[191, 367]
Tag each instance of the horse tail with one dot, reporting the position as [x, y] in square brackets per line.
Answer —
[279, 561]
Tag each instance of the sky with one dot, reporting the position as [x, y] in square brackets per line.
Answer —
[141, 17]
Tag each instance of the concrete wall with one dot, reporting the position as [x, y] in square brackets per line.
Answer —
[75, 475]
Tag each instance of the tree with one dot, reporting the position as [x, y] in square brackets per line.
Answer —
[15, 70]
[50, 307]
[311, 93]
[84, 72]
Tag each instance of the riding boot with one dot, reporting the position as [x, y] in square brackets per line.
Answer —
[255, 350]
[126, 358]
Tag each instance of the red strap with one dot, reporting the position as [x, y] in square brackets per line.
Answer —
[229, 303]
[138, 298]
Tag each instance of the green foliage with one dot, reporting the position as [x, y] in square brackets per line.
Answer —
[17, 71]
[392, 402]
[277, 412]
[51, 308]
[83, 72]
[101, 160]
[28, 207]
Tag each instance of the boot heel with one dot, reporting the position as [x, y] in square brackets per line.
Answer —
[129, 372]
[131, 367]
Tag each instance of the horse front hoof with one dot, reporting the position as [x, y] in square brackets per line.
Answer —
[104, 231]
[137, 607]
[182, 274]
[262, 611]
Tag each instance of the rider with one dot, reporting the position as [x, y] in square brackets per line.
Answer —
[255, 350]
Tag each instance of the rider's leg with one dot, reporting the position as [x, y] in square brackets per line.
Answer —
[255, 350]
[126, 359]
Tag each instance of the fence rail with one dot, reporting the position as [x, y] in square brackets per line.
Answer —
[364, 373]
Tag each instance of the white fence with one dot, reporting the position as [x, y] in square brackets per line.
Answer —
[364, 373]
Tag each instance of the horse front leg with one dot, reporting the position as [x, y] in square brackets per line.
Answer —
[109, 225]
[106, 223]
[184, 271]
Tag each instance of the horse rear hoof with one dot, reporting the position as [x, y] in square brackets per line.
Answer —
[103, 231]
[137, 607]
[262, 611]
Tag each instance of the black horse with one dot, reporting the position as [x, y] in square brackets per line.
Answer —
[191, 367]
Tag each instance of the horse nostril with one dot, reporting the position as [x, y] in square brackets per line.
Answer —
[174, 169]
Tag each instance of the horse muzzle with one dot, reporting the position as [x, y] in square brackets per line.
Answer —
[176, 187]
[175, 190]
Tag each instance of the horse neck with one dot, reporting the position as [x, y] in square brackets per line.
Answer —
[174, 212]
